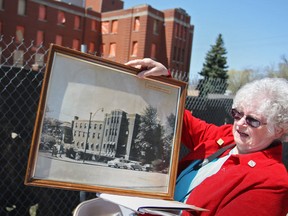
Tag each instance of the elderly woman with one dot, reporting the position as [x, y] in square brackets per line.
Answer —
[247, 177]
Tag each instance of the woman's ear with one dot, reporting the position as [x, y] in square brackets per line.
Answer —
[279, 132]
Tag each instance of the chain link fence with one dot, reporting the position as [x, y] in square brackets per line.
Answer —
[21, 74]
[22, 71]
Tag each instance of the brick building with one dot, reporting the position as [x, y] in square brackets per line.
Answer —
[103, 28]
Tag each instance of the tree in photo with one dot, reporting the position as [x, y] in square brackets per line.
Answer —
[149, 138]
[168, 139]
[214, 70]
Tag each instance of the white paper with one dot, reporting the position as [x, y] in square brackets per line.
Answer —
[140, 204]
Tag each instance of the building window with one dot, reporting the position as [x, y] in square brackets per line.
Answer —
[180, 31]
[93, 25]
[61, 18]
[19, 33]
[77, 22]
[42, 12]
[174, 53]
[58, 40]
[179, 54]
[112, 50]
[39, 59]
[153, 51]
[184, 33]
[21, 7]
[39, 38]
[76, 44]
[102, 49]
[134, 48]
[156, 27]
[182, 55]
[1, 4]
[176, 29]
[114, 26]
[136, 24]
[18, 58]
[91, 48]
[105, 27]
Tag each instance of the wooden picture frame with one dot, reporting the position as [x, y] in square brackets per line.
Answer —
[100, 128]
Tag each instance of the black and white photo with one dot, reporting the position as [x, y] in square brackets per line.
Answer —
[101, 128]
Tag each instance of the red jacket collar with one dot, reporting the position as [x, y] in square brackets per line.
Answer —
[271, 155]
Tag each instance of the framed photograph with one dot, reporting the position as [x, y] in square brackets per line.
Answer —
[100, 128]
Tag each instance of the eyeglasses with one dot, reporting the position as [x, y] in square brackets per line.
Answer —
[248, 119]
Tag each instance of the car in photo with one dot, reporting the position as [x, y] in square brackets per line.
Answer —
[134, 166]
[147, 167]
[118, 163]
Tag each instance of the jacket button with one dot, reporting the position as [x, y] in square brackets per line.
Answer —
[220, 142]
[252, 163]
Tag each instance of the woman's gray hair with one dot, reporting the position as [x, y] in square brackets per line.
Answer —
[269, 98]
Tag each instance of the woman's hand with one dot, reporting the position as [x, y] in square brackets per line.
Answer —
[149, 67]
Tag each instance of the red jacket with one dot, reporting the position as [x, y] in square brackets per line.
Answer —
[237, 188]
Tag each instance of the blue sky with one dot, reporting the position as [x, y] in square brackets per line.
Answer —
[255, 32]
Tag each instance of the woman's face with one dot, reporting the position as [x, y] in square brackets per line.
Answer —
[248, 138]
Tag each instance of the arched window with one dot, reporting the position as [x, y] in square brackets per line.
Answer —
[136, 24]
[134, 48]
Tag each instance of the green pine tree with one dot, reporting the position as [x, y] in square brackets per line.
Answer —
[214, 70]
